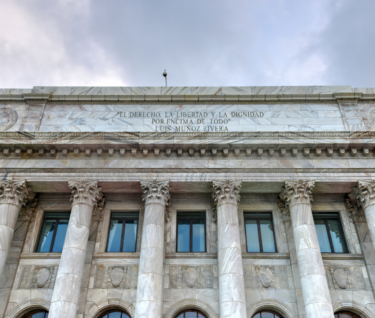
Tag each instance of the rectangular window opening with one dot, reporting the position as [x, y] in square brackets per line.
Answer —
[330, 233]
[123, 229]
[52, 235]
[260, 236]
[191, 232]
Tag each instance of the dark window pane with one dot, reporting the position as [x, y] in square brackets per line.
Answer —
[345, 315]
[46, 315]
[201, 316]
[116, 314]
[46, 236]
[321, 232]
[199, 244]
[258, 215]
[337, 236]
[190, 314]
[256, 316]
[267, 315]
[268, 242]
[57, 215]
[130, 236]
[114, 239]
[252, 236]
[60, 236]
[38, 315]
[125, 316]
[183, 240]
[181, 316]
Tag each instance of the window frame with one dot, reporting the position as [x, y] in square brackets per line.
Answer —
[54, 232]
[112, 311]
[245, 213]
[191, 229]
[37, 311]
[268, 311]
[123, 229]
[190, 310]
[329, 232]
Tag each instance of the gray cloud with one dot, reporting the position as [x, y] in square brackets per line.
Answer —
[238, 42]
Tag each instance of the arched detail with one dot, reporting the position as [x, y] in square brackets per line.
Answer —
[23, 308]
[100, 308]
[191, 303]
[362, 310]
[270, 304]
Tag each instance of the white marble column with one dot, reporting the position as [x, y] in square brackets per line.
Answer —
[297, 196]
[66, 293]
[150, 276]
[365, 194]
[12, 196]
[231, 280]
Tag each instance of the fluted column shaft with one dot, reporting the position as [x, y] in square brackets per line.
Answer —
[69, 276]
[12, 196]
[365, 195]
[231, 280]
[150, 276]
[317, 299]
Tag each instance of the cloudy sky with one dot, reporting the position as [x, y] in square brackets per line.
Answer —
[199, 42]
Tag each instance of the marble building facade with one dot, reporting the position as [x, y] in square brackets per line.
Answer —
[228, 153]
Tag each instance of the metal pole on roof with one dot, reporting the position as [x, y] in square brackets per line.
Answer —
[165, 75]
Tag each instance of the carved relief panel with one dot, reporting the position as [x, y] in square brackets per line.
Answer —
[114, 276]
[193, 276]
[37, 276]
[267, 276]
[345, 277]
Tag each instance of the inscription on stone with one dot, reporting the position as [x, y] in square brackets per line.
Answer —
[211, 121]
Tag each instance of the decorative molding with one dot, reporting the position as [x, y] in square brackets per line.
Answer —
[225, 191]
[355, 211]
[191, 303]
[297, 192]
[270, 304]
[8, 118]
[28, 212]
[365, 193]
[156, 192]
[14, 192]
[86, 192]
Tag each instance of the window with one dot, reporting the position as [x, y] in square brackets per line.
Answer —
[267, 314]
[191, 232]
[345, 314]
[36, 314]
[330, 233]
[115, 314]
[123, 232]
[260, 236]
[191, 314]
[53, 232]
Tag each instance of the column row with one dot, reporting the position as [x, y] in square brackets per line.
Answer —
[297, 196]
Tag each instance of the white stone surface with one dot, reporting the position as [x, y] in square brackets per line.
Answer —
[66, 293]
[231, 277]
[151, 271]
[316, 296]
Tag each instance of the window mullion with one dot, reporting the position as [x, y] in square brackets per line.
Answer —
[260, 236]
[191, 235]
[329, 237]
[54, 235]
[122, 235]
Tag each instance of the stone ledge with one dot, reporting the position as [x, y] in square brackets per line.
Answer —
[116, 255]
[337, 256]
[37, 256]
[265, 256]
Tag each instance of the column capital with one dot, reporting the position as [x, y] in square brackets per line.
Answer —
[296, 192]
[226, 191]
[364, 193]
[14, 192]
[85, 191]
[156, 191]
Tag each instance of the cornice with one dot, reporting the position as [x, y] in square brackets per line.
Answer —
[190, 94]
